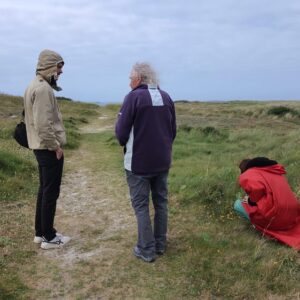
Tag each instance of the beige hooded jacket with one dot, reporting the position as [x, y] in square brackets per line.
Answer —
[45, 129]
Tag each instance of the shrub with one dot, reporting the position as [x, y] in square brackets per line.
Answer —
[64, 98]
[211, 131]
[73, 137]
[282, 111]
[185, 128]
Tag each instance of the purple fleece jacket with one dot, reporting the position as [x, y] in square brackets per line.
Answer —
[146, 127]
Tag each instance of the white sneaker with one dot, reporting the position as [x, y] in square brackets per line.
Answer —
[39, 239]
[57, 242]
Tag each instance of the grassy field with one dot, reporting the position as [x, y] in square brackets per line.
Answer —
[18, 186]
[212, 253]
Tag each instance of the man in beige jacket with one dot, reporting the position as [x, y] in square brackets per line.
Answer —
[46, 137]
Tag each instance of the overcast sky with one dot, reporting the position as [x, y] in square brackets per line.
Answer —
[201, 49]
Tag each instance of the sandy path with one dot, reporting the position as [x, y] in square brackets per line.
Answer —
[94, 209]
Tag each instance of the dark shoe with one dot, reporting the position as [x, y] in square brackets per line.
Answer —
[160, 251]
[138, 254]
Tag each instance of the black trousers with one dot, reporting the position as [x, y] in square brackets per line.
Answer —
[50, 174]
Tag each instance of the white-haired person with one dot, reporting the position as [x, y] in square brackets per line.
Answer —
[146, 128]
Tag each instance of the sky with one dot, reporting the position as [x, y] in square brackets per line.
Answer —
[203, 50]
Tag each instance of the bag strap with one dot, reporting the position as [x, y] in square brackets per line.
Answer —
[23, 116]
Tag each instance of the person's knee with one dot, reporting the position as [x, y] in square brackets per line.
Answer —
[140, 207]
[237, 204]
[161, 206]
[160, 199]
[240, 210]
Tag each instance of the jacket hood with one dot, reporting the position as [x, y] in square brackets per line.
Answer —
[274, 169]
[47, 67]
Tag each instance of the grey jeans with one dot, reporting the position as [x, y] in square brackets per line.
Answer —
[149, 240]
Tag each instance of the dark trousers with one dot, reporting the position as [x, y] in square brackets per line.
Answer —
[149, 239]
[50, 174]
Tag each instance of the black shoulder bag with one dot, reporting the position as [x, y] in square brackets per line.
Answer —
[20, 133]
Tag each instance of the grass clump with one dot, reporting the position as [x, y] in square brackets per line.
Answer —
[10, 164]
[6, 133]
[222, 253]
[185, 128]
[211, 252]
[281, 111]
[16, 174]
[72, 131]
[18, 187]
[209, 130]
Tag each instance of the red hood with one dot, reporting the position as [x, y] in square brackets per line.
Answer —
[274, 169]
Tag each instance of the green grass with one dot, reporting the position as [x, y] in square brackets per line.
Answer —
[225, 257]
[18, 187]
[16, 173]
[212, 253]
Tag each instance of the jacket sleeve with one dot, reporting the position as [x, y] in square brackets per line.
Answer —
[125, 120]
[174, 126]
[254, 188]
[43, 118]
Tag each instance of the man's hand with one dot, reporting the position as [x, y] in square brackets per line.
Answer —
[59, 153]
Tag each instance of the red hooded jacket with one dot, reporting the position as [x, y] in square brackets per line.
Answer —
[277, 210]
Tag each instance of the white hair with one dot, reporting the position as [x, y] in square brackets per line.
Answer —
[146, 73]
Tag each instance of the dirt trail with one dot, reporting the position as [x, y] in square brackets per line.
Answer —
[94, 209]
[95, 128]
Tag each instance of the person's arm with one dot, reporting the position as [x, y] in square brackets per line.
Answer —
[43, 118]
[125, 120]
[174, 126]
[255, 189]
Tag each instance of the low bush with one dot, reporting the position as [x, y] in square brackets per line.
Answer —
[10, 164]
[73, 136]
[16, 176]
[282, 111]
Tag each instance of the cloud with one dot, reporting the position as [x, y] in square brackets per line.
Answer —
[192, 44]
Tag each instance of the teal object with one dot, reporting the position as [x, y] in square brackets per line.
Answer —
[239, 208]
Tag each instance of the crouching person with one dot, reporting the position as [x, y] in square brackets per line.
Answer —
[269, 203]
